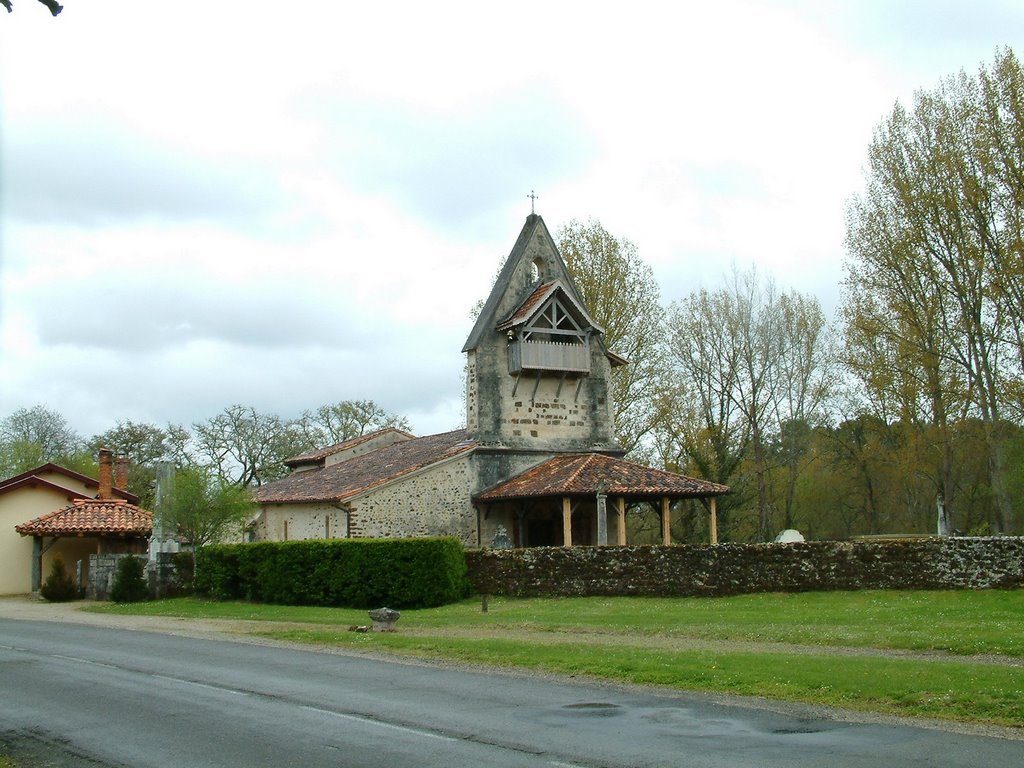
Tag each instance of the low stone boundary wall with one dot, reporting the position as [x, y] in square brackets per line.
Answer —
[730, 569]
[160, 574]
[102, 569]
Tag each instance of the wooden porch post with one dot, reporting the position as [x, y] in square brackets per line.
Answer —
[566, 522]
[713, 523]
[621, 508]
[666, 521]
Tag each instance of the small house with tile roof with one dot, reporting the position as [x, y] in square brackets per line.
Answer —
[50, 511]
[537, 463]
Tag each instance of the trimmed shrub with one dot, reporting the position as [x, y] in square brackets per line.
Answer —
[184, 571]
[60, 585]
[129, 581]
[354, 573]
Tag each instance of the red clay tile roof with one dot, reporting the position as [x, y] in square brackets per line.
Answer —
[323, 453]
[342, 481]
[92, 517]
[584, 474]
[534, 301]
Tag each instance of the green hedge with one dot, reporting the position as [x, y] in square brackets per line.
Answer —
[355, 573]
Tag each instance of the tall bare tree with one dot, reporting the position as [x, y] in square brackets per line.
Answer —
[338, 422]
[244, 447]
[753, 373]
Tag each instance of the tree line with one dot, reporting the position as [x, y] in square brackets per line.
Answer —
[904, 415]
[240, 446]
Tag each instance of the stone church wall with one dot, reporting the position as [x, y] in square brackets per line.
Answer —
[434, 502]
[570, 414]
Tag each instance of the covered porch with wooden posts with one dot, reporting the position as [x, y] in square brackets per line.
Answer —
[582, 499]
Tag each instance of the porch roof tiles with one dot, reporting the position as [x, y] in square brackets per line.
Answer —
[590, 473]
[92, 517]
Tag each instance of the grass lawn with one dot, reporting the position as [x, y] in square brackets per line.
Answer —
[859, 650]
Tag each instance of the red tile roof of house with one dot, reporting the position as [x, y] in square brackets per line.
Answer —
[345, 445]
[92, 517]
[585, 474]
[342, 481]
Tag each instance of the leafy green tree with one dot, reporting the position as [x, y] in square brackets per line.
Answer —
[935, 278]
[204, 508]
[145, 446]
[33, 436]
[620, 291]
[47, 428]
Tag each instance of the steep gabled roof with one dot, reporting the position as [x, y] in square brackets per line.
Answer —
[34, 481]
[33, 477]
[487, 318]
[343, 481]
[346, 445]
[588, 473]
[536, 301]
[92, 517]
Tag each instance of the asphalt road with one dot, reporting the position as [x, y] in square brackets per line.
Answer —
[112, 697]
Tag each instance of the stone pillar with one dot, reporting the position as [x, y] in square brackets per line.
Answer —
[713, 522]
[666, 521]
[621, 509]
[602, 520]
[37, 563]
[566, 521]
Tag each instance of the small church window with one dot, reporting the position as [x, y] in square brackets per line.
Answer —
[536, 269]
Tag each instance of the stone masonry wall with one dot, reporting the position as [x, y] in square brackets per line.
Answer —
[730, 569]
[161, 574]
[432, 503]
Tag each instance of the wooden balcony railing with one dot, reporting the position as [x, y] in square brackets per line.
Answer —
[548, 356]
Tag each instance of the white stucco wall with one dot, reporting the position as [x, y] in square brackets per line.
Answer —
[16, 507]
[290, 522]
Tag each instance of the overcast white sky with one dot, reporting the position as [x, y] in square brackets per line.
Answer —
[287, 205]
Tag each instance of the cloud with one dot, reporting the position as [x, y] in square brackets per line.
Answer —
[448, 168]
[94, 171]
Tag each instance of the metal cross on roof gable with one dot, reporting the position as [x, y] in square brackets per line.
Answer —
[533, 198]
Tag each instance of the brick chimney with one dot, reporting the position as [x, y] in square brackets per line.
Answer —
[121, 465]
[106, 475]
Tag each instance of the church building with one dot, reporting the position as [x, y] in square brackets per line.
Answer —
[537, 463]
